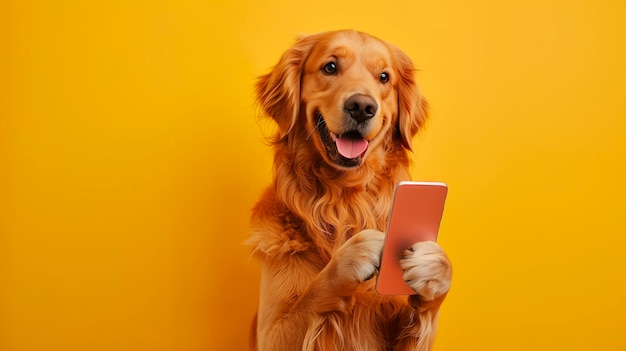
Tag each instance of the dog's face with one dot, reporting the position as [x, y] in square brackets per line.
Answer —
[348, 92]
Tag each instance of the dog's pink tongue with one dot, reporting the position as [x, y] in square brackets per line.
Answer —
[351, 148]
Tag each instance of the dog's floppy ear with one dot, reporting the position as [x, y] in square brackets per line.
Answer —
[412, 106]
[278, 92]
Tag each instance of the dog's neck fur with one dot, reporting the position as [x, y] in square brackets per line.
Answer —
[347, 201]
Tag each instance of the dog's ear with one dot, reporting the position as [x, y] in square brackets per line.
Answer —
[412, 106]
[278, 92]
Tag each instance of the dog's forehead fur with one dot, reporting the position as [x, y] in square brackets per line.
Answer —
[350, 47]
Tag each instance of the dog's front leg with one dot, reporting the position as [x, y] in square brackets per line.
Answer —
[355, 262]
[294, 297]
[428, 271]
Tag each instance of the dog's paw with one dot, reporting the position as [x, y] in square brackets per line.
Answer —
[427, 270]
[359, 258]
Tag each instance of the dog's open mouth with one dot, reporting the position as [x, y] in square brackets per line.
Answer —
[346, 149]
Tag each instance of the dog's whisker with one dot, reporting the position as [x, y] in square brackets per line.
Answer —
[320, 121]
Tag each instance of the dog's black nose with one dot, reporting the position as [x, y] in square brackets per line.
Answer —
[361, 107]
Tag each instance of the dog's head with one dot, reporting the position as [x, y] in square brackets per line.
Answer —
[348, 92]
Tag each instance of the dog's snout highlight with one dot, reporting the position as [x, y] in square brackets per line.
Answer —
[361, 107]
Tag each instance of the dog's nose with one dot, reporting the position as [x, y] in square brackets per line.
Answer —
[361, 107]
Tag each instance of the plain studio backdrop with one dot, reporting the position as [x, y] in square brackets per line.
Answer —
[131, 154]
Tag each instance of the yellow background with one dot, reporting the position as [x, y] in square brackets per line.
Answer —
[130, 155]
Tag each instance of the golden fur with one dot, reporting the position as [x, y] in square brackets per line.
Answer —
[317, 230]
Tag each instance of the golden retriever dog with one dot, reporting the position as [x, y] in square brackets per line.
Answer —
[346, 105]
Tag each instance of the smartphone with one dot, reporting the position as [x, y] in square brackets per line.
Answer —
[415, 216]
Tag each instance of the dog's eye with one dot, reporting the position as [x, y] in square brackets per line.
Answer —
[384, 77]
[330, 68]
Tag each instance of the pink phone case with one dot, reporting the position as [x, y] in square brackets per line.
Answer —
[415, 216]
